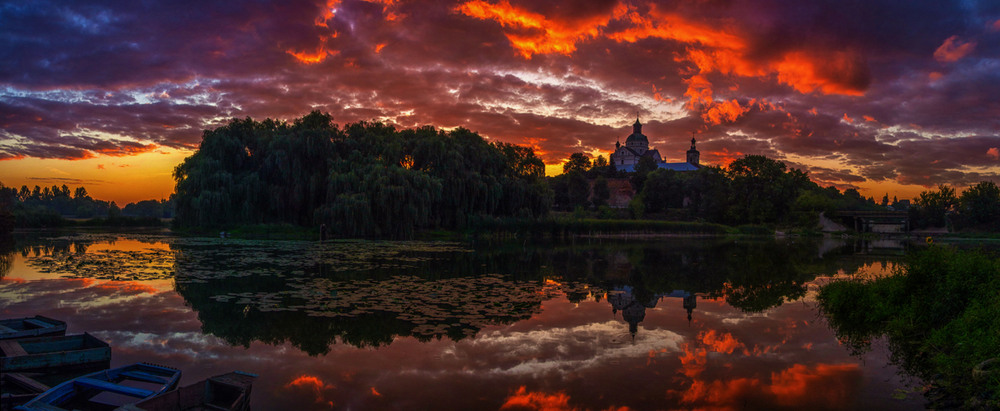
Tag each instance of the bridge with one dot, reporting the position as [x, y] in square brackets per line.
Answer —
[876, 221]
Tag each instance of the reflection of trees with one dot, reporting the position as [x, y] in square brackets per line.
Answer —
[6, 254]
[314, 301]
[751, 275]
[422, 294]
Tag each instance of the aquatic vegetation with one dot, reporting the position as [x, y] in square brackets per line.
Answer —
[434, 307]
[941, 314]
[367, 293]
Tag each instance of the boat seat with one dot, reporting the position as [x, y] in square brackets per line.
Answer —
[12, 349]
[38, 323]
[24, 381]
[141, 376]
[111, 387]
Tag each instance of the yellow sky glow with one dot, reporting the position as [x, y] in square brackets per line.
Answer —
[120, 179]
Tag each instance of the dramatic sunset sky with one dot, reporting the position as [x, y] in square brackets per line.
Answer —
[882, 95]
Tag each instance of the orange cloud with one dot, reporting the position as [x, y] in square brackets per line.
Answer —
[314, 384]
[953, 50]
[836, 72]
[537, 401]
[719, 342]
[319, 55]
[993, 152]
[711, 48]
[995, 26]
[799, 386]
[127, 150]
[658, 24]
[724, 156]
[725, 112]
[532, 33]
[822, 384]
[328, 12]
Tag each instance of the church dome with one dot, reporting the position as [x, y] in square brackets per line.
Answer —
[637, 138]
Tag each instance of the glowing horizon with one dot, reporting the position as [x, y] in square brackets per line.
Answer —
[851, 95]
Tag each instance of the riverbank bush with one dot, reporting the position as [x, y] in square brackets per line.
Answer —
[941, 314]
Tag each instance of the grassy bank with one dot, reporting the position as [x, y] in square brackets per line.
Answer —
[941, 314]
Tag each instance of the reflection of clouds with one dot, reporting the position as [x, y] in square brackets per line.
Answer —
[566, 355]
[191, 344]
[315, 386]
[78, 292]
[571, 349]
[522, 398]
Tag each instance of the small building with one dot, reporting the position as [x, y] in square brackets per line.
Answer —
[626, 157]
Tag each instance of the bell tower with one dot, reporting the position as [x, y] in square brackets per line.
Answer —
[693, 155]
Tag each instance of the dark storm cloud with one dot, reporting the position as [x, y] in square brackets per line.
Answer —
[890, 91]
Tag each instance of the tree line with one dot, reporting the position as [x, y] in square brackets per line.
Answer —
[750, 190]
[53, 206]
[366, 179]
[977, 208]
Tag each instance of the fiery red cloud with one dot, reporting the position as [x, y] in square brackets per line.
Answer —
[772, 77]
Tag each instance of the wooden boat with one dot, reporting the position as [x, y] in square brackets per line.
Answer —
[47, 353]
[229, 392]
[108, 389]
[31, 327]
[17, 388]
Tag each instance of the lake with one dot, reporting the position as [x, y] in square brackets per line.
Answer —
[658, 323]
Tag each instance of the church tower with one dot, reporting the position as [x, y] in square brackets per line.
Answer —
[637, 141]
[693, 155]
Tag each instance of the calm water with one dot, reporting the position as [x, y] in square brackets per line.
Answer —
[659, 324]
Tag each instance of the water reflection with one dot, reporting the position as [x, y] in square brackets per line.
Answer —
[6, 254]
[677, 323]
[368, 294]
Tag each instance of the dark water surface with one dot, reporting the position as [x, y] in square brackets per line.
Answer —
[669, 323]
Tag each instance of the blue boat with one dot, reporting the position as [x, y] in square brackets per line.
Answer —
[226, 392]
[31, 327]
[108, 389]
[53, 353]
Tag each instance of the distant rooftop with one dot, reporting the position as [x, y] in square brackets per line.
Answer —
[669, 166]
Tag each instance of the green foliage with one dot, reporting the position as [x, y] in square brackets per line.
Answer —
[979, 206]
[940, 314]
[365, 180]
[663, 189]
[762, 190]
[8, 197]
[578, 189]
[577, 162]
[599, 163]
[932, 207]
[601, 192]
[636, 207]
[645, 166]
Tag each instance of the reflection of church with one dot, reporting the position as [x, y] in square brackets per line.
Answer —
[626, 157]
[634, 311]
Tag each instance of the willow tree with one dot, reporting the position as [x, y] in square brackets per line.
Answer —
[364, 180]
